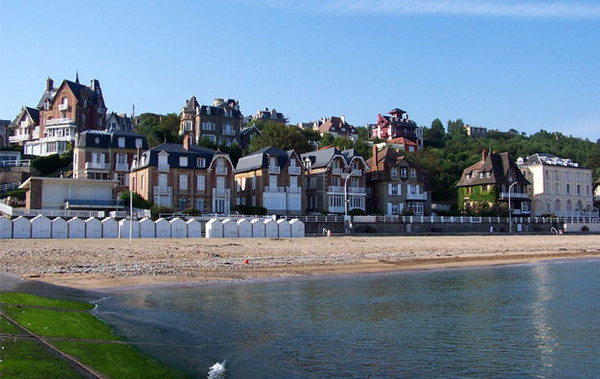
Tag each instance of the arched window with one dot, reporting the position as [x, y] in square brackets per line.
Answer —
[557, 206]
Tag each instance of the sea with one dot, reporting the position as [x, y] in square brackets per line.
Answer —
[537, 320]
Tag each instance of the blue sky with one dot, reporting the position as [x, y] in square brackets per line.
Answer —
[502, 64]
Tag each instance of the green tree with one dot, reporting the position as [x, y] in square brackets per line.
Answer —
[456, 127]
[435, 136]
[286, 137]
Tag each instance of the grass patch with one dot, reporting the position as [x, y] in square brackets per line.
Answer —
[27, 299]
[29, 359]
[7, 327]
[117, 361]
[52, 323]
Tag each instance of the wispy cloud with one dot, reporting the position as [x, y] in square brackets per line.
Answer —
[475, 8]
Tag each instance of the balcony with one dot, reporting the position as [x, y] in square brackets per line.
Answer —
[274, 169]
[63, 107]
[164, 167]
[121, 167]
[59, 121]
[229, 132]
[336, 189]
[294, 170]
[513, 195]
[357, 172]
[416, 196]
[294, 189]
[221, 170]
[19, 138]
[163, 190]
[337, 171]
[355, 190]
[274, 189]
[221, 192]
[97, 166]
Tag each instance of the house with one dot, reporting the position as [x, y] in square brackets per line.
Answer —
[597, 194]
[336, 126]
[488, 185]
[119, 122]
[4, 132]
[220, 123]
[64, 111]
[69, 193]
[269, 115]
[332, 177]
[25, 126]
[185, 176]
[476, 131]
[100, 154]
[246, 136]
[397, 125]
[271, 178]
[559, 186]
[397, 184]
[400, 143]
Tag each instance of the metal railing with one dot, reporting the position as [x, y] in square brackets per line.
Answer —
[9, 186]
[20, 163]
[274, 169]
[294, 170]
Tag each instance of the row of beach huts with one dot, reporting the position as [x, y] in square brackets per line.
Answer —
[43, 227]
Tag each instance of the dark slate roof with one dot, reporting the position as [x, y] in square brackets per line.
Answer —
[321, 158]
[47, 95]
[33, 113]
[260, 159]
[550, 160]
[497, 165]
[191, 105]
[109, 139]
[220, 111]
[251, 129]
[150, 157]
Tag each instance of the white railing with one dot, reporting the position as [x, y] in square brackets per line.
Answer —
[21, 163]
[294, 170]
[97, 166]
[513, 195]
[294, 189]
[163, 167]
[221, 170]
[121, 167]
[274, 169]
[59, 121]
[163, 190]
[229, 132]
[19, 138]
[8, 186]
[356, 189]
[274, 189]
[337, 171]
[63, 107]
[357, 172]
[221, 191]
[416, 196]
[57, 213]
[336, 189]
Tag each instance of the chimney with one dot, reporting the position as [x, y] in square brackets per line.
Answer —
[186, 142]
[484, 154]
[49, 84]
[343, 118]
[374, 157]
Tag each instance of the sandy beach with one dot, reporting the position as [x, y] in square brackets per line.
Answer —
[102, 264]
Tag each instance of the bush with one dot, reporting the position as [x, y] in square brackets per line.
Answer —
[192, 212]
[52, 163]
[138, 201]
[356, 212]
[585, 229]
[15, 193]
[251, 210]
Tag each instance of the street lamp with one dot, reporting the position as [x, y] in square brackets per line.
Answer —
[509, 210]
[348, 175]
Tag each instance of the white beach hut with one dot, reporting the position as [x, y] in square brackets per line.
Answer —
[110, 228]
[124, 229]
[147, 228]
[244, 228]
[60, 229]
[76, 228]
[163, 228]
[258, 228]
[41, 227]
[178, 228]
[297, 227]
[271, 228]
[284, 228]
[194, 228]
[229, 228]
[213, 228]
[21, 227]
[93, 228]
[5, 227]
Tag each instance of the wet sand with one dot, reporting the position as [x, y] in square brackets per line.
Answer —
[103, 264]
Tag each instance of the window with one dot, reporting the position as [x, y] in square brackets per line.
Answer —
[413, 173]
[568, 189]
[220, 182]
[162, 180]
[200, 205]
[200, 183]
[353, 182]
[121, 141]
[201, 162]
[142, 181]
[253, 186]
[293, 181]
[481, 176]
[183, 161]
[182, 203]
[392, 189]
[183, 182]
[579, 189]
[138, 142]
[272, 180]
[394, 172]
[335, 181]
[487, 174]
[403, 172]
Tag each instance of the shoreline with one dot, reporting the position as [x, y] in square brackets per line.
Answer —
[111, 265]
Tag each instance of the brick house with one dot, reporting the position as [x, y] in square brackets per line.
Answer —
[330, 172]
[338, 127]
[271, 178]
[486, 185]
[185, 176]
[64, 111]
[397, 125]
[397, 184]
[220, 122]
[100, 154]
[269, 115]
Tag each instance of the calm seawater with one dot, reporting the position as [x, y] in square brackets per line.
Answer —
[539, 320]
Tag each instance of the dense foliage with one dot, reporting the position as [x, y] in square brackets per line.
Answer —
[158, 128]
[51, 165]
[286, 137]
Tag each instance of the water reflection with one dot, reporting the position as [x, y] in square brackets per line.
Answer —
[542, 283]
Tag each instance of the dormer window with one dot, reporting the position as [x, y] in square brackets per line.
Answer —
[97, 141]
[183, 161]
[487, 174]
[121, 141]
[201, 163]
[481, 175]
[208, 111]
